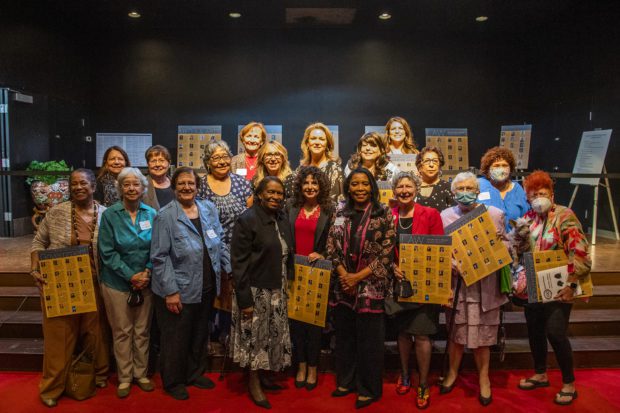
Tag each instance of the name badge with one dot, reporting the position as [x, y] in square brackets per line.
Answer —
[211, 234]
[484, 196]
[242, 171]
[339, 221]
[144, 225]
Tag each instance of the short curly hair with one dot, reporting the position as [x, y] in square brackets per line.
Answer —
[537, 180]
[428, 149]
[305, 171]
[493, 155]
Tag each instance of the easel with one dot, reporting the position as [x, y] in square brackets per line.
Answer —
[595, 206]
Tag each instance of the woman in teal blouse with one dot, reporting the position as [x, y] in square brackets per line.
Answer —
[124, 249]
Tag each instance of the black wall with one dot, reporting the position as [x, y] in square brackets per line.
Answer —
[152, 82]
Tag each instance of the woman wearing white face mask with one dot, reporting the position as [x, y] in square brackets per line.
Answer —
[496, 188]
[553, 227]
[476, 319]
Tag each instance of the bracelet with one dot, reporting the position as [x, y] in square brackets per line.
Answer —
[33, 271]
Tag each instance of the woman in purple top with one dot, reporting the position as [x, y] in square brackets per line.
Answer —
[360, 245]
[477, 311]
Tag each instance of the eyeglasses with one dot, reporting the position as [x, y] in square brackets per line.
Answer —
[155, 161]
[273, 156]
[218, 158]
[430, 161]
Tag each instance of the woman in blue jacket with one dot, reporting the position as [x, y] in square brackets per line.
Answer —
[188, 258]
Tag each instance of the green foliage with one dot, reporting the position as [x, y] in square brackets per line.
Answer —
[47, 166]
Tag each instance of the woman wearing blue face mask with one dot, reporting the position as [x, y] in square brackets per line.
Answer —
[477, 311]
[496, 188]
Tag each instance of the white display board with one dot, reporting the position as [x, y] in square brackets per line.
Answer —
[135, 144]
[591, 156]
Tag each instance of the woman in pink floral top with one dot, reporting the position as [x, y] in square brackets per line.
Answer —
[360, 245]
[553, 227]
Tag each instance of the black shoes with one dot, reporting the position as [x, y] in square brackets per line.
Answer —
[311, 386]
[485, 401]
[49, 402]
[203, 382]
[300, 383]
[360, 404]
[179, 393]
[446, 389]
[341, 393]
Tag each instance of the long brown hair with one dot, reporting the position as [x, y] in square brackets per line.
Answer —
[409, 145]
[381, 161]
[329, 151]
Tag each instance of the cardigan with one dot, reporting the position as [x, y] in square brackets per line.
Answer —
[325, 221]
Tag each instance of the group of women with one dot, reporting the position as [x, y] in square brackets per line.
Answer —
[170, 245]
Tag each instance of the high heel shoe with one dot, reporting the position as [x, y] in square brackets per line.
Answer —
[485, 401]
[261, 403]
[300, 383]
[446, 389]
[311, 386]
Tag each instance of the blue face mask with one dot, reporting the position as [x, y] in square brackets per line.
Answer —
[465, 197]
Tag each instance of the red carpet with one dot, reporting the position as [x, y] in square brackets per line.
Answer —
[599, 391]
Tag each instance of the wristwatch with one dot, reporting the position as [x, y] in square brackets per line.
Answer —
[573, 285]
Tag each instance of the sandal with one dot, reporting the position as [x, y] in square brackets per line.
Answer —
[535, 384]
[573, 396]
[423, 398]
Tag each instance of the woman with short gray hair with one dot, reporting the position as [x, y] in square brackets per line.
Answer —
[232, 195]
[413, 320]
[124, 249]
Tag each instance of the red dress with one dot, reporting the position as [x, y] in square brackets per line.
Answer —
[304, 231]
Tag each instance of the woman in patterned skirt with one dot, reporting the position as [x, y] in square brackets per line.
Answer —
[262, 261]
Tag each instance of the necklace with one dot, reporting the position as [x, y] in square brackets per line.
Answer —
[91, 229]
[402, 226]
[312, 211]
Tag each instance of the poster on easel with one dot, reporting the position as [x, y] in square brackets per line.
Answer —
[380, 129]
[385, 192]
[425, 261]
[309, 291]
[68, 287]
[517, 138]
[405, 162]
[591, 156]
[454, 145]
[546, 273]
[476, 247]
[274, 133]
[135, 144]
[192, 141]
[334, 129]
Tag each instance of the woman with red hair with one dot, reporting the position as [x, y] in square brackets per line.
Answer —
[553, 227]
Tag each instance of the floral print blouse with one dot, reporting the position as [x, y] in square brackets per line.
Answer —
[376, 253]
[561, 229]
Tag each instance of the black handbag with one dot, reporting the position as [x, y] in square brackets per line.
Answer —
[135, 298]
[404, 289]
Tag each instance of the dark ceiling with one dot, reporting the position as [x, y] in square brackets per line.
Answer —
[100, 18]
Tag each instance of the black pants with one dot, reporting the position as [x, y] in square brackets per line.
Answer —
[359, 351]
[550, 321]
[183, 341]
[306, 340]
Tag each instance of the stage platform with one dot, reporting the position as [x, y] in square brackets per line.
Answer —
[594, 326]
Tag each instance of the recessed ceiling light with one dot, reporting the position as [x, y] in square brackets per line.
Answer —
[134, 14]
[385, 16]
[481, 19]
[234, 15]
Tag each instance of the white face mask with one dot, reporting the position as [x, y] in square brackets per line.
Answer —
[499, 174]
[541, 205]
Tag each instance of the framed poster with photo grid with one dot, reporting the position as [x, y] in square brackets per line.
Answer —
[454, 145]
[475, 246]
[191, 143]
[309, 291]
[516, 138]
[426, 261]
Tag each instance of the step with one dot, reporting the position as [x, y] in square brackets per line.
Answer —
[21, 354]
[605, 277]
[21, 324]
[23, 298]
[16, 279]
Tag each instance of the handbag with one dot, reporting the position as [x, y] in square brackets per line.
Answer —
[404, 289]
[135, 298]
[80, 384]
[505, 279]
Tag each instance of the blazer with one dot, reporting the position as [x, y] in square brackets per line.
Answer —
[326, 218]
[426, 221]
[256, 253]
[176, 251]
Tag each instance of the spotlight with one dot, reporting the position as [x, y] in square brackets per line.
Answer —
[134, 14]
[234, 15]
[481, 19]
[385, 16]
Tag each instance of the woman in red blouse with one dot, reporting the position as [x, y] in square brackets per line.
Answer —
[417, 320]
[310, 214]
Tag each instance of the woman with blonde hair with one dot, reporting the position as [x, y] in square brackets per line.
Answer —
[398, 136]
[273, 161]
[317, 147]
[252, 136]
[371, 154]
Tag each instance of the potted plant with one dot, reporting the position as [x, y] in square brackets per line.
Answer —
[47, 190]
